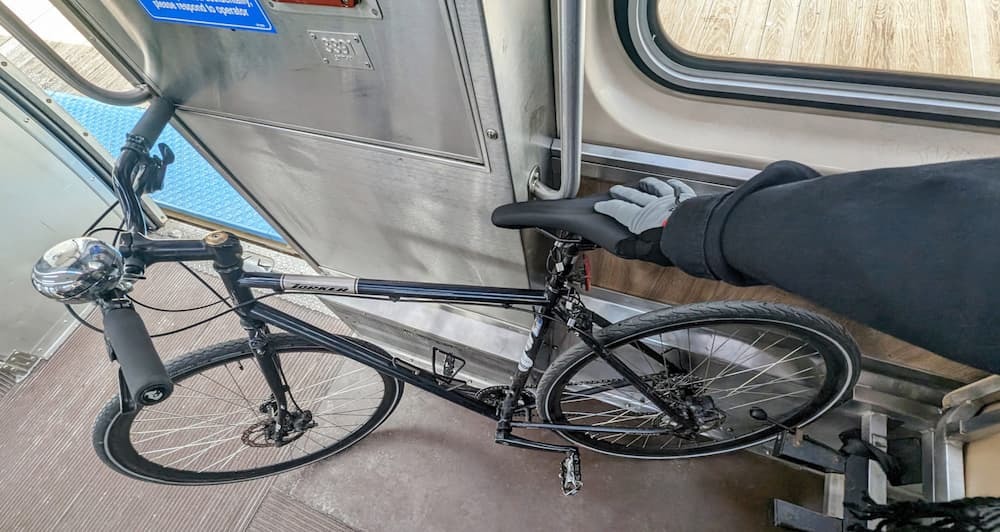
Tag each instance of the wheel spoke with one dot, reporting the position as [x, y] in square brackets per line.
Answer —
[192, 457]
[198, 425]
[341, 392]
[335, 377]
[711, 354]
[238, 387]
[204, 395]
[172, 415]
[747, 370]
[619, 417]
[204, 440]
[780, 380]
[739, 358]
[759, 401]
[224, 461]
[192, 427]
[769, 366]
[583, 415]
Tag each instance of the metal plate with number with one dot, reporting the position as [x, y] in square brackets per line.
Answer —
[339, 49]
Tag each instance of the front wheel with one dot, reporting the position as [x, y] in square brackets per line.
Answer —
[715, 363]
[216, 427]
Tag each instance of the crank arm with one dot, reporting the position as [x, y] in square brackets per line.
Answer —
[569, 469]
[515, 441]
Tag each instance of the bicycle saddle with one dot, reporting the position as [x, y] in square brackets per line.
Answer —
[576, 216]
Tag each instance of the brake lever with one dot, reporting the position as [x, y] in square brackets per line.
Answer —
[156, 170]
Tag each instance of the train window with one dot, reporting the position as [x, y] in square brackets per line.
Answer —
[940, 37]
[944, 53]
[191, 181]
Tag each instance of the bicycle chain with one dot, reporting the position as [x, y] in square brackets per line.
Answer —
[607, 381]
[532, 389]
[596, 382]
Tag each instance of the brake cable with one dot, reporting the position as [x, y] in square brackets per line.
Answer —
[93, 228]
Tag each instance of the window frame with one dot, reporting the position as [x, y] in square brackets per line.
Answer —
[936, 98]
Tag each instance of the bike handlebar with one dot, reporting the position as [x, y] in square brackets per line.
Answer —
[142, 371]
[145, 376]
[153, 121]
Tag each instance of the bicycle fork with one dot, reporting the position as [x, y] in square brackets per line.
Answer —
[228, 263]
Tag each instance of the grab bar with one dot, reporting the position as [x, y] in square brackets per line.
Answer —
[38, 47]
[572, 19]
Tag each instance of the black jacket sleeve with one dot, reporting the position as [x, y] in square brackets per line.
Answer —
[914, 252]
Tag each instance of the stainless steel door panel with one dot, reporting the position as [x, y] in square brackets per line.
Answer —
[387, 172]
[415, 96]
[376, 213]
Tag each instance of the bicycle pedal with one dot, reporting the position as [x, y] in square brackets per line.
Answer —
[570, 474]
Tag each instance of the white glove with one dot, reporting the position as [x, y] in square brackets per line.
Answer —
[648, 207]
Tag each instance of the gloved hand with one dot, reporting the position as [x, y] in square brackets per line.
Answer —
[648, 207]
[644, 212]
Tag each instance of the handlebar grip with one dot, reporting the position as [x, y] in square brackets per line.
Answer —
[153, 120]
[142, 369]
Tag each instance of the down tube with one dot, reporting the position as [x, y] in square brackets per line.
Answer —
[378, 361]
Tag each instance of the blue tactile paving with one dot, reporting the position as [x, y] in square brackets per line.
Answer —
[192, 186]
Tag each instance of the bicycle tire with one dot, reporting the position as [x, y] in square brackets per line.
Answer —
[839, 352]
[112, 429]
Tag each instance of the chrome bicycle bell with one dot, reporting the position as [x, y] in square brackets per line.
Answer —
[79, 270]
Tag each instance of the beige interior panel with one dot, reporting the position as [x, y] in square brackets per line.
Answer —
[982, 465]
[622, 107]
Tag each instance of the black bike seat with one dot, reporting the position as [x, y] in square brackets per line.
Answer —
[576, 216]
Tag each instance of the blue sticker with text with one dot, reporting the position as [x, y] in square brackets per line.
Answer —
[229, 14]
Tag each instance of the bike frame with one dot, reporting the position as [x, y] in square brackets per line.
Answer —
[225, 250]
[226, 253]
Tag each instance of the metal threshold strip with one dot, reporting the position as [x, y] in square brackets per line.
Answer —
[617, 164]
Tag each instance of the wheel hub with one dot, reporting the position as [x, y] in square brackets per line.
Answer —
[700, 413]
[268, 433]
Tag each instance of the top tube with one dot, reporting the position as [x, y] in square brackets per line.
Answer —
[328, 285]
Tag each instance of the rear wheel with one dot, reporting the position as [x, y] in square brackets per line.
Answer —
[216, 428]
[713, 361]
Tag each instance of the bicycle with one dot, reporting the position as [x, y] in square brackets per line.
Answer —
[676, 382]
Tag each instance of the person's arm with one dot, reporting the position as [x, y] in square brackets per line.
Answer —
[914, 252]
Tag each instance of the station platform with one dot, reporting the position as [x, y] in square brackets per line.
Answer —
[192, 187]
